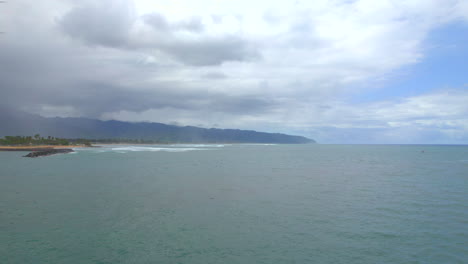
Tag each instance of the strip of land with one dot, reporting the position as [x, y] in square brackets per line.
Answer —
[39, 147]
[37, 143]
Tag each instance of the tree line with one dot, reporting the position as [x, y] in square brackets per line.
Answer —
[39, 140]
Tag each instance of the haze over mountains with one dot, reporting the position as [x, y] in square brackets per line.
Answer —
[24, 124]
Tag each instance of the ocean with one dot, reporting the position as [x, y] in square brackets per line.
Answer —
[236, 204]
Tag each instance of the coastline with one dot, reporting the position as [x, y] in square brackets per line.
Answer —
[125, 144]
[38, 147]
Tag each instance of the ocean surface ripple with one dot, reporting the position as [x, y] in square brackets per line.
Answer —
[237, 204]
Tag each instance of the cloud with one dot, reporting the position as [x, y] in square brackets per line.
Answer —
[211, 51]
[104, 22]
[437, 117]
[285, 68]
[114, 24]
[214, 75]
[159, 23]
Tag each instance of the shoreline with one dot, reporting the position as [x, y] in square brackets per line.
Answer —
[39, 147]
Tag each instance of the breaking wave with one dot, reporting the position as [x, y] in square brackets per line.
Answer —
[165, 148]
[133, 149]
[199, 145]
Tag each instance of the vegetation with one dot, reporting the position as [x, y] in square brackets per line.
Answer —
[55, 141]
[38, 140]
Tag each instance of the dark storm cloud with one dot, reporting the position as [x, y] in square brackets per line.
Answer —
[212, 51]
[243, 104]
[105, 23]
[105, 97]
[36, 72]
[203, 51]
[46, 73]
[113, 25]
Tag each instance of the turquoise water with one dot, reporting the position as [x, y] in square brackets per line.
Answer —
[236, 204]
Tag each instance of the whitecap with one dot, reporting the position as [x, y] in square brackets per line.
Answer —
[198, 145]
[153, 149]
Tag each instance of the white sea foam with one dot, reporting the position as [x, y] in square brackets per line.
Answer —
[198, 145]
[152, 149]
[258, 144]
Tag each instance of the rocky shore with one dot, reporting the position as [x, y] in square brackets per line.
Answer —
[47, 152]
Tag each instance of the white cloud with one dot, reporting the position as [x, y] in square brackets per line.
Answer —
[175, 61]
[445, 111]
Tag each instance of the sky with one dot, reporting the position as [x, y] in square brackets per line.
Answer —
[337, 71]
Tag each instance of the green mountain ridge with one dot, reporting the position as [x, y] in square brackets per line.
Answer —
[23, 124]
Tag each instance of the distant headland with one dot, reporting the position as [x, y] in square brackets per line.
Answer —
[21, 123]
[46, 146]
